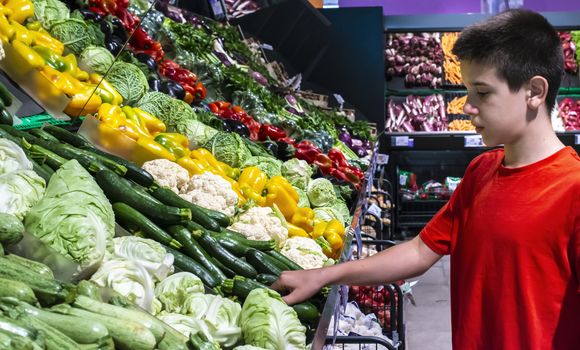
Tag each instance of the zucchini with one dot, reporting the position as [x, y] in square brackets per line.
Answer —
[262, 262]
[89, 289]
[5, 96]
[35, 266]
[13, 327]
[290, 265]
[17, 133]
[195, 251]
[53, 338]
[41, 134]
[18, 290]
[133, 221]
[6, 117]
[11, 229]
[240, 286]
[88, 162]
[232, 245]
[44, 171]
[118, 189]
[220, 253]
[1, 250]
[185, 263]
[168, 197]
[134, 172]
[79, 330]
[307, 312]
[198, 341]
[68, 137]
[226, 270]
[6, 135]
[111, 164]
[266, 279]
[53, 160]
[260, 245]
[48, 291]
[127, 334]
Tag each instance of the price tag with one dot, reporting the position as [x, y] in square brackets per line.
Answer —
[374, 209]
[267, 47]
[473, 141]
[382, 159]
[577, 139]
[402, 141]
[339, 99]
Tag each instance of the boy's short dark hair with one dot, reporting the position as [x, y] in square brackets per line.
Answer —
[519, 44]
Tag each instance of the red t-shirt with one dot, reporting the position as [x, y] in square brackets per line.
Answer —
[514, 240]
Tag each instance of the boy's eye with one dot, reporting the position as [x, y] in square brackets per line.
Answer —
[482, 93]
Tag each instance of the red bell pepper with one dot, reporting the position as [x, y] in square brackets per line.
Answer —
[323, 162]
[288, 140]
[268, 131]
[338, 158]
[200, 92]
[339, 175]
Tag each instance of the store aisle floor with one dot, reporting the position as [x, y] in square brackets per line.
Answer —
[428, 324]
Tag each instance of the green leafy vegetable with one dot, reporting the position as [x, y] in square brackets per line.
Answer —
[19, 192]
[197, 132]
[74, 217]
[169, 110]
[341, 209]
[268, 322]
[302, 198]
[148, 253]
[96, 59]
[229, 148]
[12, 157]
[174, 290]
[298, 172]
[75, 34]
[321, 192]
[129, 81]
[47, 11]
[271, 166]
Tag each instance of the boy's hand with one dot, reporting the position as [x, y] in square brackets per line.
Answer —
[300, 285]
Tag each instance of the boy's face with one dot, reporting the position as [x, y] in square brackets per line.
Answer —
[498, 114]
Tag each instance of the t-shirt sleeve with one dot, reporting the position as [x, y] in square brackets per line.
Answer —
[437, 233]
[576, 252]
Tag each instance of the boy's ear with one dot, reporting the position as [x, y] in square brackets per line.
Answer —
[537, 89]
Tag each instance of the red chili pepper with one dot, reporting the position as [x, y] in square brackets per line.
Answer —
[351, 176]
[268, 131]
[307, 153]
[323, 162]
[339, 174]
[338, 157]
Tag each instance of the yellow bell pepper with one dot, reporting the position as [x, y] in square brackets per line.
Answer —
[33, 25]
[193, 166]
[153, 124]
[179, 139]
[226, 169]
[286, 185]
[318, 230]
[253, 178]
[83, 103]
[6, 29]
[295, 231]
[303, 218]
[155, 148]
[21, 10]
[277, 194]
[334, 226]
[28, 54]
[105, 85]
[44, 39]
[135, 123]
[171, 141]
[111, 115]
[21, 33]
[335, 242]
[5, 11]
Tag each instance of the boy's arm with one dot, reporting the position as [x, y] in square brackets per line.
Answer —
[406, 260]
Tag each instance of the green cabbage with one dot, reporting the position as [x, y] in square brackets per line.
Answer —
[148, 253]
[19, 192]
[298, 172]
[302, 198]
[321, 192]
[174, 290]
[326, 214]
[47, 11]
[197, 132]
[248, 347]
[228, 147]
[271, 166]
[12, 157]
[169, 110]
[220, 315]
[184, 324]
[268, 322]
[74, 217]
[341, 209]
[128, 278]
[129, 81]
[75, 34]
[96, 59]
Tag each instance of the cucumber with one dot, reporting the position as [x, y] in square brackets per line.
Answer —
[41, 134]
[48, 291]
[67, 136]
[134, 172]
[220, 253]
[17, 133]
[260, 245]
[11, 229]
[111, 164]
[51, 159]
[307, 312]
[44, 171]
[5, 96]
[132, 220]
[35, 266]
[6, 135]
[266, 279]
[185, 263]
[291, 265]
[118, 189]
[195, 251]
[15, 328]
[6, 117]
[18, 290]
[262, 262]
[88, 162]
[232, 245]
[168, 197]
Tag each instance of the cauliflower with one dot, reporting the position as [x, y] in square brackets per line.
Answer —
[211, 192]
[167, 173]
[261, 224]
[305, 252]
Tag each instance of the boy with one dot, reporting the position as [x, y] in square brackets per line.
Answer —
[512, 227]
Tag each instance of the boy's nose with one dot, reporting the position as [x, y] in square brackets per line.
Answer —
[470, 109]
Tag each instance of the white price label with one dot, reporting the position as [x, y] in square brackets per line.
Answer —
[473, 141]
[339, 99]
[577, 139]
[382, 159]
[403, 141]
[375, 210]
[267, 47]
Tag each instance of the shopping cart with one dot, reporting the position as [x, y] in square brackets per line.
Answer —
[359, 343]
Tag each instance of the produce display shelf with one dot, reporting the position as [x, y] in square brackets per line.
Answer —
[563, 91]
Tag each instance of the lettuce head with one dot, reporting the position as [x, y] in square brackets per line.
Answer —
[174, 290]
[270, 165]
[298, 172]
[228, 147]
[19, 192]
[321, 192]
[12, 157]
[147, 252]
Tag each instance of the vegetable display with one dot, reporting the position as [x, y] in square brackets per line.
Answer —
[569, 110]
[417, 114]
[450, 62]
